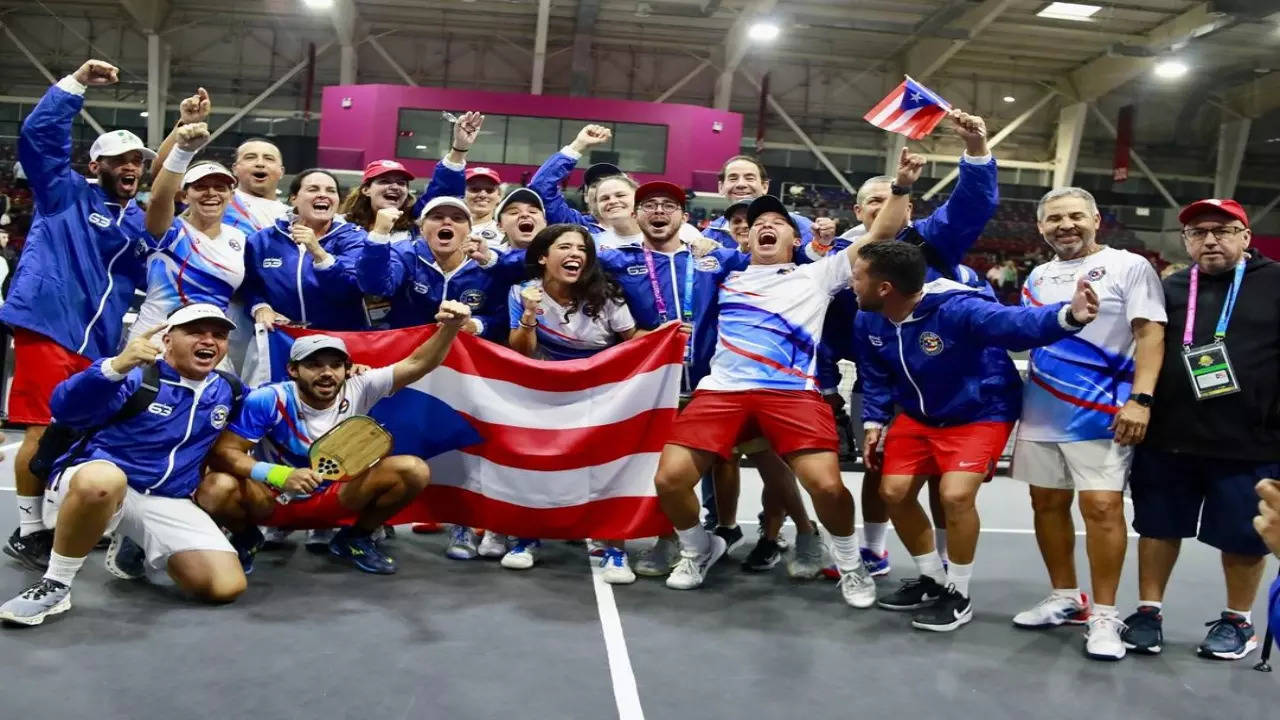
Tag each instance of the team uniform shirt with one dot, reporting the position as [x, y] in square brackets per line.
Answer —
[1077, 385]
[284, 426]
[607, 239]
[770, 320]
[191, 267]
[250, 213]
[282, 274]
[563, 335]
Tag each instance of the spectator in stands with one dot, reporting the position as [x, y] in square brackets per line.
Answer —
[1215, 426]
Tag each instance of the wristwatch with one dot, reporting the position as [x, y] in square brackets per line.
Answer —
[1143, 399]
[897, 189]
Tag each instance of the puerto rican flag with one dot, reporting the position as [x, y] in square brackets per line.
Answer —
[526, 447]
[911, 109]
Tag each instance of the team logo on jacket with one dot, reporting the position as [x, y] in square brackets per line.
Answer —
[344, 406]
[487, 234]
[100, 220]
[472, 298]
[707, 263]
[637, 270]
[930, 343]
[219, 416]
[875, 341]
[420, 288]
[160, 409]
[235, 245]
[272, 262]
[1096, 274]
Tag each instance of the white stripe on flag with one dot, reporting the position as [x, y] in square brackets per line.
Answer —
[630, 476]
[505, 403]
[890, 109]
[901, 120]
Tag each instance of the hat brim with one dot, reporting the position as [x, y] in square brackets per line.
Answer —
[226, 322]
[661, 187]
[147, 153]
[1200, 207]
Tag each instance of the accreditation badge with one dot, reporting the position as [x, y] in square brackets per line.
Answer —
[1210, 371]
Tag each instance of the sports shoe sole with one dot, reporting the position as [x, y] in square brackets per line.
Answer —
[949, 627]
[113, 567]
[618, 579]
[762, 567]
[1249, 647]
[880, 572]
[23, 560]
[902, 608]
[804, 574]
[1046, 626]
[1148, 650]
[1104, 658]
[349, 560]
[62, 606]
[517, 566]
[643, 571]
[717, 551]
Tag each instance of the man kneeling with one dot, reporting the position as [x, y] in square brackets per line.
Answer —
[242, 491]
[135, 467]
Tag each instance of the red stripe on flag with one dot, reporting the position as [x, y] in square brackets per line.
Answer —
[925, 121]
[552, 450]
[894, 95]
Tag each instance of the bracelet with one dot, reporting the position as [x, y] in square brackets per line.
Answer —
[178, 160]
[529, 327]
[897, 189]
[458, 149]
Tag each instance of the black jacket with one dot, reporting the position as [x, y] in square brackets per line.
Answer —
[1241, 426]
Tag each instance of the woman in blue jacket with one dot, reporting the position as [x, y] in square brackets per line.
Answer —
[302, 269]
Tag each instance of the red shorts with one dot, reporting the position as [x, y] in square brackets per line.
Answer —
[913, 448]
[39, 364]
[319, 511]
[791, 420]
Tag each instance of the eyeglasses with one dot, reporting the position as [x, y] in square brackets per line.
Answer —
[1222, 232]
[665, 206]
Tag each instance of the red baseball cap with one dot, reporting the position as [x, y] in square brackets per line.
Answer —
[382, 167]
[483, 172]
[1225, 205]
[660, 187]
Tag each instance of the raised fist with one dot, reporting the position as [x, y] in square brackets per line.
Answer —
[453, 313]
[195, 108]
[386, 220]
[192, 137]
[972, 129]
[97, 72]
[532, 298]
[591, 136]
[465, 130]
[303, 235]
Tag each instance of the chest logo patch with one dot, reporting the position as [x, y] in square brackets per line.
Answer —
[930, 343]
[160, 409]
[875, 341]
[1096, 274]
[472, 298]
[100, 220]
[707, 263]
[272, 262]
[235, 245]
[637, 270]
[218, 418]
[420, 288]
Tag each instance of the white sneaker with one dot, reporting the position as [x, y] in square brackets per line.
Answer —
[522, 556]
[43, 599]
[1053, 611]
[692, 569]
[596, 548]
[617, 571]
[1102, 638]
[274, 538]
[807, 559]
[493, 545]
[858, 587]
[462, 543]
[658, 560]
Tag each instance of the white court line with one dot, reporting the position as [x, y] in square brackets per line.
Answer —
[998, 531]
[625, 694]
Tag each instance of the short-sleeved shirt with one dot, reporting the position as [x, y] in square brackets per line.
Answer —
[190, 267]
[565, 335]
[286, 426]
[1076, 386]
[770, 321]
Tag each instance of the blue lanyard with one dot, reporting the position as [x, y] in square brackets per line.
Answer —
[686, 309]
[1228, 305]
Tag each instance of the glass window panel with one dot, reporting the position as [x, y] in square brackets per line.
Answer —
[489, 147]
[641, 148]
[420, 134]
[569, 129]
[531, 140]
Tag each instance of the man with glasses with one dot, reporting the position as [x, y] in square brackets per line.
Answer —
[1215, 426]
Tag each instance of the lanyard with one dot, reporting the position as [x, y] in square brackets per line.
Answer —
[1228, 305]
[686, 309]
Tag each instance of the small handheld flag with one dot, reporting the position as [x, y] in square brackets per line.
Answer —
[910, 109]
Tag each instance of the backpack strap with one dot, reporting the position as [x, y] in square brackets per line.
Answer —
[237, 387]
[142, 396]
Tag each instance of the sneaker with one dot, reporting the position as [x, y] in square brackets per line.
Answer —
[806, 561]
[493, 545]
[1230, 637]
[692, 568]
[388, 532]
[1102, 638]
[426, 528]
[949, 612]
[31, 550]
[617, 571]
[857, 587]
[1053, 611]
[876, 565]
[462, 543]
[274, 538]
[318, 541]
[47, 597]
[913, 594]
[361, 551]
[659, 560]
[246, 544]
[763, 556]
[125, 559]
[522, 555]
[732, 536]
[596, 548]
[1144, 631]
[783, 543]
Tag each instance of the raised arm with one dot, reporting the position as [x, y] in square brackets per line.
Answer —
[523, 307]
[956, 225]
[546, 181]
[194, 109]
[893, 216]
[90, 397]
[186, 142]
[1022, 328]
[428, 356]
[448, 178]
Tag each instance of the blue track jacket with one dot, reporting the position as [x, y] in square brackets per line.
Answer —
[281, 273]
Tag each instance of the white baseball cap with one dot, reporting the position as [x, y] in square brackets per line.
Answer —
[119, 142]
[306, 346]
[199, 311]
[204, 170]
[445, 200]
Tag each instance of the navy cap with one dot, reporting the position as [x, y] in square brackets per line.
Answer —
[769, 203]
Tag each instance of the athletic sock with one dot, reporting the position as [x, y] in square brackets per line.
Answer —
[728, 527]
[696, 539]
[1067, 593]
[873, 535]
[940, 542]
[959, 576]
[1106, 610]
[844, 548]
[1246, 614]
[30, 514]
[63, 568]
[930, 565]
[1151, 603]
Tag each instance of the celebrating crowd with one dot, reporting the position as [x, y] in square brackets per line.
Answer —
[1171, 390]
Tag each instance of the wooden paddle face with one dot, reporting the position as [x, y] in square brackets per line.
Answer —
[350, 448]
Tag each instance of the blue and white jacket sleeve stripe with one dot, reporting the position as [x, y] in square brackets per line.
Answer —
[546, 182]
[90, 397]
[955, 226]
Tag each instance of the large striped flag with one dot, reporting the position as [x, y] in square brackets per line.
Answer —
[910, 109]
[527, 447]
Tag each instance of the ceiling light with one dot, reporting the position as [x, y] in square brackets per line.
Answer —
[318, 4]
[419, 147]
[1170, 69]
[1069, 11]
[1010, 98]
[763, 31]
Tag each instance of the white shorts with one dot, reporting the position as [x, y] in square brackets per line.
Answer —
[162, 526]
[1083, 465]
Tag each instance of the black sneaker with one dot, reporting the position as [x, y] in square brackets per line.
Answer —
[913, 594]
[1144, 631]
[247, 544]
[1230, 637]
[763, 556]
[949, 612]
[31, 550]
[732, 536]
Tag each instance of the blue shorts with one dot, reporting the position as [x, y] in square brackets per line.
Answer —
[1176, 495]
